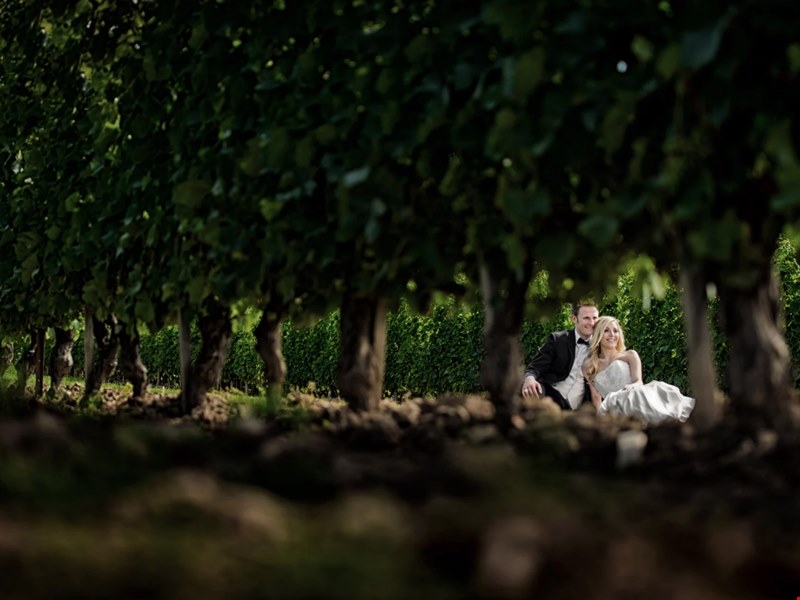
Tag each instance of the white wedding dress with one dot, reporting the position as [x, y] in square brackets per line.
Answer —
[654, 402]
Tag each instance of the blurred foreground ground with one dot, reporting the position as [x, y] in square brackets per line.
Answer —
[124, 499]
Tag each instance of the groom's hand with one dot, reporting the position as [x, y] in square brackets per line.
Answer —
[531, 387]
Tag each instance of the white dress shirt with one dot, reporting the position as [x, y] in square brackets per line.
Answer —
[573, 386]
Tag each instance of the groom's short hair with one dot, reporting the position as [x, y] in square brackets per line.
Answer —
[576, 306]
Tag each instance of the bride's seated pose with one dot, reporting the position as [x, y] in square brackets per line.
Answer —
[614, 375]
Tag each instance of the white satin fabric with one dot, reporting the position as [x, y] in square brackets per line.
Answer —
[655, 402]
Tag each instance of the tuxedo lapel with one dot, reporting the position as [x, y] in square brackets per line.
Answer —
[570, 348]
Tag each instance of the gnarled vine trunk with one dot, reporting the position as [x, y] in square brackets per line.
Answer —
[702, 374]
[6, 356]
[268, 345]
[106, 340]
[215, 330]
[501, 371]
[38, 362]
[759, 371]
[88, 343]
[363, 351]
[61, 358]
[185, 352]
[25, 364]
[130, 361]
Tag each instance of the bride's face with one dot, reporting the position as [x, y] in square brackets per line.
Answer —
[610, 338]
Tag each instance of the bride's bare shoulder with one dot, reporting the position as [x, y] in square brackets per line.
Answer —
[630, 354]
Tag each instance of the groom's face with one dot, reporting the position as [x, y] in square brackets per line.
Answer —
[585, 320]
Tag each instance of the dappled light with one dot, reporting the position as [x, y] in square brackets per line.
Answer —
[288, 289]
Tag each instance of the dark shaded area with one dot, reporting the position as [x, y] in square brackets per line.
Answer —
[128, 499]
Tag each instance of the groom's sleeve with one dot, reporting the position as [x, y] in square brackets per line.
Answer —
[543, 359]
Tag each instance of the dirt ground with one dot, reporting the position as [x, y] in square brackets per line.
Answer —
[422, 499]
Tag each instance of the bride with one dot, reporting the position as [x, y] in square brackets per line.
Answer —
[614, 375]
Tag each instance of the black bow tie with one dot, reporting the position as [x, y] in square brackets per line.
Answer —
[583, 341]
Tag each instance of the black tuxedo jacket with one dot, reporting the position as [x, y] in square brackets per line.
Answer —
[553, 361]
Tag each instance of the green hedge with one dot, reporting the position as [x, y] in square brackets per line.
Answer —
[311, 354]
[658, 335]
[442, 352]
[789, 271]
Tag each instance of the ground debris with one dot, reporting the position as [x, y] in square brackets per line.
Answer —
[421, 490]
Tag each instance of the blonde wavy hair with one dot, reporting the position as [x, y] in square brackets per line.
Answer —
[595, 350]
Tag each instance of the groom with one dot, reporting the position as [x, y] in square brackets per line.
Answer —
[555, 371]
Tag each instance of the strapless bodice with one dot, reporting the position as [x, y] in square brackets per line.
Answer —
[614, 377]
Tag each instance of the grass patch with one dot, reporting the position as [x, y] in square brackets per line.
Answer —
[8, 378]
[270, 407]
